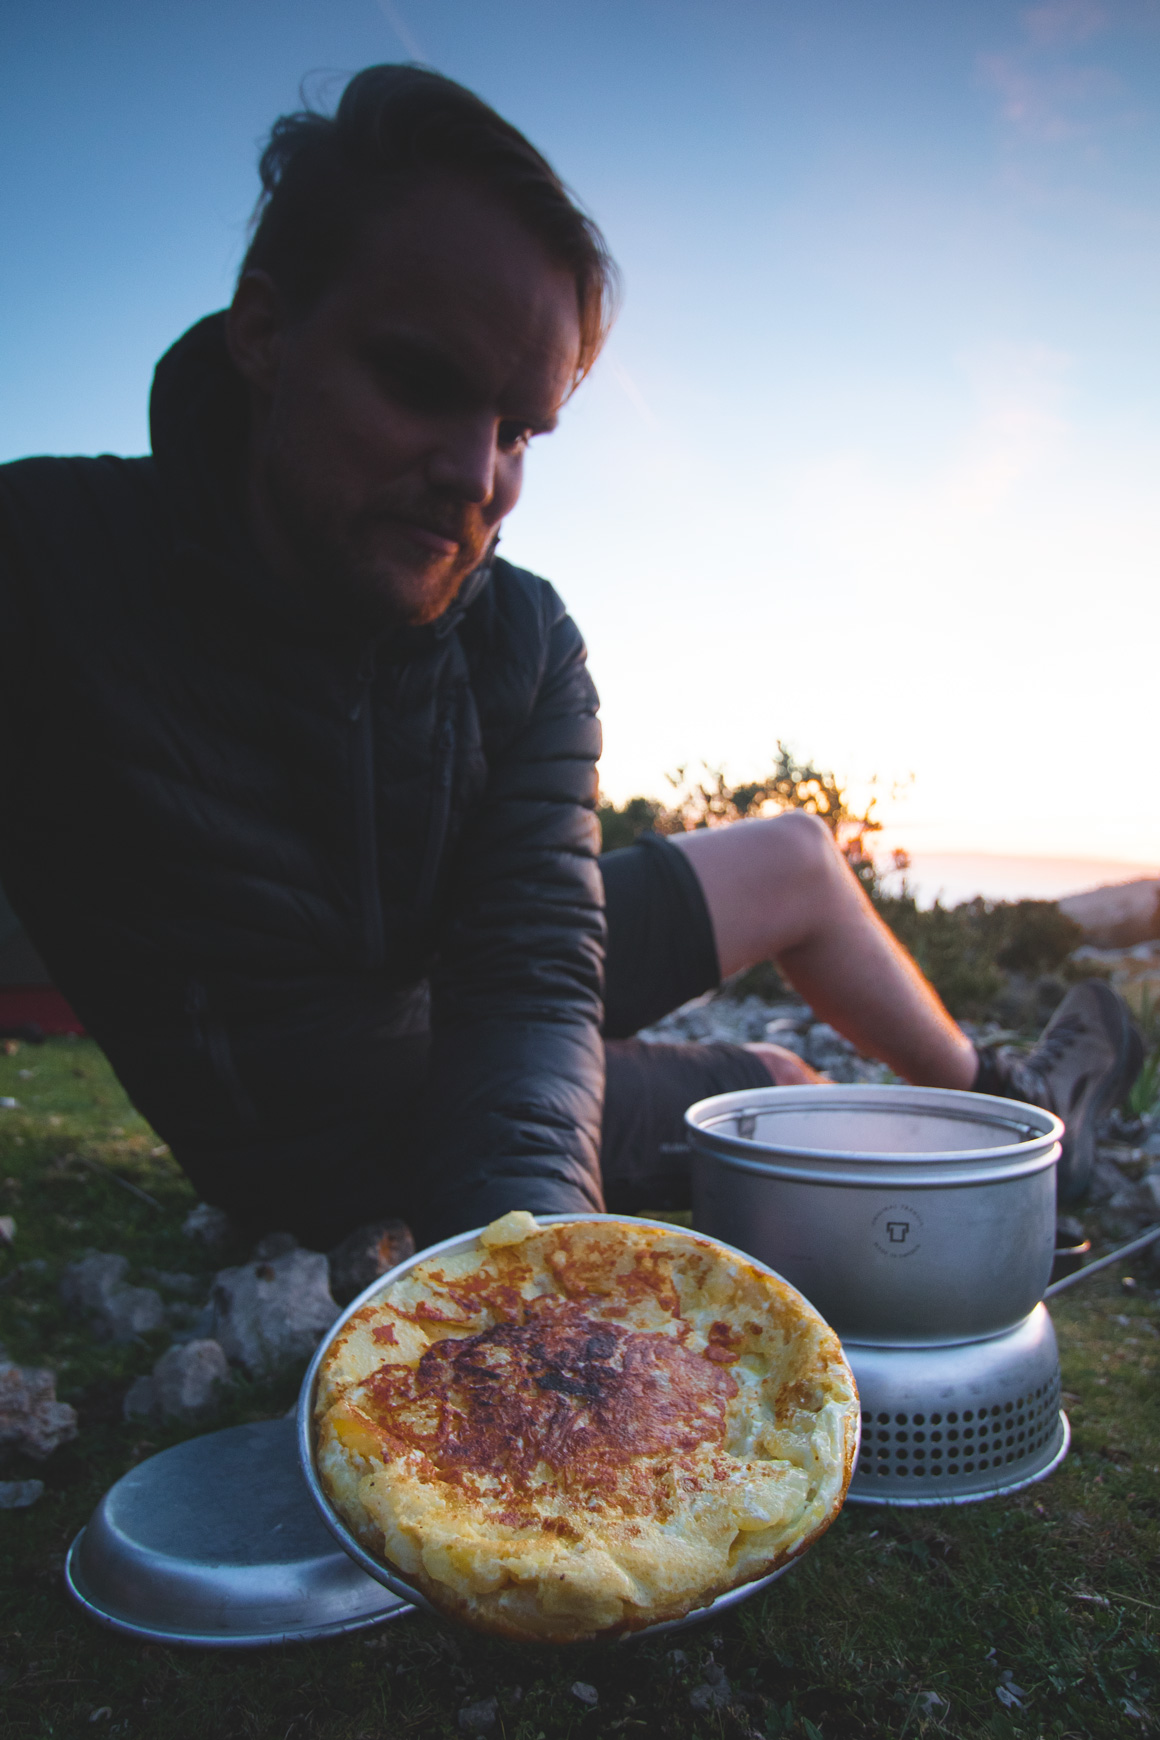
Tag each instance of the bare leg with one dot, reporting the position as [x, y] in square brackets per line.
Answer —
[780, 891]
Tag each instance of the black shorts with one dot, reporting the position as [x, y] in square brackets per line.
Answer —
[661, 953]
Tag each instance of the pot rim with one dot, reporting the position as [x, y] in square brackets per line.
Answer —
[1038, 1150]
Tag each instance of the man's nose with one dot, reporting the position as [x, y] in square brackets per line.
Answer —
[464, 460]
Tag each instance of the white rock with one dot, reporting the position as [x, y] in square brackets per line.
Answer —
[31, 1418]
[19, 1494]
[188, 1379]
[714, 1691]
[185, 1384]
[271, 1315]
[212, 1226]
[479, 1718]
[87, 1284]
[120, 1312]
[788, 1035]
[7, 1230]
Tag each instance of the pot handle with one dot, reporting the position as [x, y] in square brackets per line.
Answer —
[1127, 1250]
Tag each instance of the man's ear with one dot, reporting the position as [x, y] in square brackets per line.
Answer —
[254, 325]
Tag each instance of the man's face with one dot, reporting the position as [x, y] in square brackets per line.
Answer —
[390, 422]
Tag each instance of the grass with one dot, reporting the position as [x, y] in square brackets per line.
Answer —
[1056, 1587]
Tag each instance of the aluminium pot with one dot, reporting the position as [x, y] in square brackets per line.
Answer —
[908, 1216]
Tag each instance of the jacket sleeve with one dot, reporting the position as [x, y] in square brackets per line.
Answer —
[517, 1063]
[13, 629]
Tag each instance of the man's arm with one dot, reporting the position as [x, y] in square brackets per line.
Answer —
[517, 1076]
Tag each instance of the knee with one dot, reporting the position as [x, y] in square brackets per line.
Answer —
[799, 844]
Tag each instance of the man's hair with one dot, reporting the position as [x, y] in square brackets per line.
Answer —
[324, 176]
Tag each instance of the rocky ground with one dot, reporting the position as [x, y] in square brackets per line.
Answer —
[1030, 1615]
[263, 1317]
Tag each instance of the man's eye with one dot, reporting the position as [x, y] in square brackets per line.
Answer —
[514, 437]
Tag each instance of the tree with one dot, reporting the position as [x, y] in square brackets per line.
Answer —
[703, 799]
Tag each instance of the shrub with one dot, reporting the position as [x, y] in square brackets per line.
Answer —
[621, 825]
[979, 956]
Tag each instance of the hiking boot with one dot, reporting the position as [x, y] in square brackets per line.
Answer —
[1086, 1058]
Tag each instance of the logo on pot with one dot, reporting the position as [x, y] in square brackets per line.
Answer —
[897, 1230]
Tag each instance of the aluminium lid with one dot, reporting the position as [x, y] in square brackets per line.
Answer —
[872, 1134]
[216, 1542]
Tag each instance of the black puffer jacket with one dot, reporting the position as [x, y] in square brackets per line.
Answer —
[330, 905]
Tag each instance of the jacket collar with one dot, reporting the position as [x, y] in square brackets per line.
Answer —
[198, 422]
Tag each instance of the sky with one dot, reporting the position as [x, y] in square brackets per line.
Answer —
[870, 463]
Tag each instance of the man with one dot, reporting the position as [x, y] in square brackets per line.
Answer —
[298, 774]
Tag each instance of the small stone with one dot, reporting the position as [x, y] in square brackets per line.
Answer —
[1149, 1188]
[8, 1104]
[1106, 1180]
[19, 1494]
[677, 1659]
[7, 1230]
[31, 1418]
[585, 1694]
[188, 1380]
[479, 1718]
[140, 1400]
[788, 1035]
[825, 1046]
[271, 1315]
[211, 1226]
[367, 1253]
[932, 1703]
[120, 1312]
[714, 1690]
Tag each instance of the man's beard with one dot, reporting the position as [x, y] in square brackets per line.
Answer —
[343, 563]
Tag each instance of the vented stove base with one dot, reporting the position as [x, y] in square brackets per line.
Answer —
[952, 1425]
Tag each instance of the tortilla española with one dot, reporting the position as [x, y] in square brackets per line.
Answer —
[585, 1427]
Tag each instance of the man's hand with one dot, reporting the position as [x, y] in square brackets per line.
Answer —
[785, 1068]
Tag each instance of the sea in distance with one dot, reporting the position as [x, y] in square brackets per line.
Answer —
[956, 876]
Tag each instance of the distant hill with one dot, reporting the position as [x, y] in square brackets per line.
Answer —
[1118, 915]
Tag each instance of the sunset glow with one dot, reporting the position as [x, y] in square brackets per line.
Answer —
[871, 462]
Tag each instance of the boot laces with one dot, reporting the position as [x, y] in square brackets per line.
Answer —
[1055, 1044]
